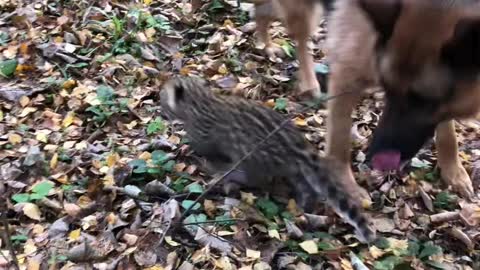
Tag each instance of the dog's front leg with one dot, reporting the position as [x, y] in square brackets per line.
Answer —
[452, 170]
[339, 124]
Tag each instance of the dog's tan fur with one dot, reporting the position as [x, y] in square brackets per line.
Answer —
[410, 58]
[301, 17]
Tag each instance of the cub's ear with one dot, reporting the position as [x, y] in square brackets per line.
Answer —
[462, 52]
[175, 92]
[383, 14]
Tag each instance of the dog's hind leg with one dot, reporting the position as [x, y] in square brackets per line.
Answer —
[452, 170]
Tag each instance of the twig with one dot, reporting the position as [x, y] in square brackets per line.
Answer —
[444, 217]
[212, 221]
[218, 179]
[8, 238]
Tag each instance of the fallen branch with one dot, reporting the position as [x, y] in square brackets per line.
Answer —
[8, 239]
[444, 217]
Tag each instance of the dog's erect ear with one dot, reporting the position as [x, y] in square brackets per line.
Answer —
[462, 52]
[383, 14]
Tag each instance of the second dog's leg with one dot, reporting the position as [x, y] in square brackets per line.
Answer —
[301, 20]
[452, 170]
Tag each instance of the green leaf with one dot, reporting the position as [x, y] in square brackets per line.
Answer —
[154, 170]
[19, 238]
[195, 188]
[216, 5]
[21, 197]
[268, 207]
[43, 188]
[388, 263]
[382, 243]
[179, 184]
[224, 220]
[105, 93]
[288, 49]
[7, 67]
[159, 157]
[186, 204]
[287, 215]
[194, 218]
[169, 165]
[430, 249]
[325, 246]
[36, 196]
[323, 235]
[280, 104]
[138, 165]
[156, 126]
[445, 200]
[413, 249]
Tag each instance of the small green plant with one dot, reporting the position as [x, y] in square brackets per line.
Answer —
[445, 200]
[280, 104]
[161, 162]
[39, 191]
[156, 126]
[108, 105]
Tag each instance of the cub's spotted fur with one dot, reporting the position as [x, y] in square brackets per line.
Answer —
[224, 129]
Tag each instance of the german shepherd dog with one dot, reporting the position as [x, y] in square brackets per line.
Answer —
[301, 17]
[425, 54]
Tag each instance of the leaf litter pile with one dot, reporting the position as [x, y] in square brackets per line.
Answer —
[92, 177]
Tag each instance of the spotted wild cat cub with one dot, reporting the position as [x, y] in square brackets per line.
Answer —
[224, 129]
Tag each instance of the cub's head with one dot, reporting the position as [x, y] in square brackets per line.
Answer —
[183, 94]
[428, 61]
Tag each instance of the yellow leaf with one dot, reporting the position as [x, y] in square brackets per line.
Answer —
[184, 71]
[69, 84]
[366, 203]
[270, 103]
[32, 211]
[300, 122]
[274, 234]
[33, 264]
[145, 156]
[223, 69]
[132, 124]
[74, 235]
[228, 22]
[254, 254]
[147, 2]
[112, 159]
[54, 161]
[345, 264]
[14, 138]
[209, 207]
[170, 241]
[41, 136]
[155, 267]
[309, 246]
[111, 218]
[24, 100]
[68, 120]
[376, 252]
[26, 111]
[1, 115]
[174, 139]
[29, 247]
[248, 197]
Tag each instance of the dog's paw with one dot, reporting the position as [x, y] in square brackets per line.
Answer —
[357, 193]
[457, 177]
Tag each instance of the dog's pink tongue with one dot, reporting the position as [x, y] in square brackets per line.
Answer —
[386, 161]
